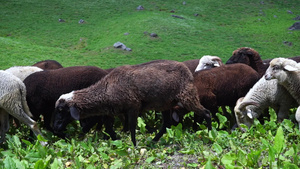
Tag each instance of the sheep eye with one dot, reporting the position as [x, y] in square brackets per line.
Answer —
[275, 67]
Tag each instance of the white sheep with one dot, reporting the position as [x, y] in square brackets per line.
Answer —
[297, 116]
[23, 71]
[13, 102]
[287, 72]
[208, 62]
[261, 96]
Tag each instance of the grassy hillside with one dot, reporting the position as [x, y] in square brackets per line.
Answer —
[30, 31]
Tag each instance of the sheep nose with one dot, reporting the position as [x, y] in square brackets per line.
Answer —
[268, 77]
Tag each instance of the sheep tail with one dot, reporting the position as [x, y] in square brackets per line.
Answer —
[24, 102]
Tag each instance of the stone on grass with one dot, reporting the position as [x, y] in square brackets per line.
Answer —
[295, 26]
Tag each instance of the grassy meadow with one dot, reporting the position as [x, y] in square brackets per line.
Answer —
[30, 31]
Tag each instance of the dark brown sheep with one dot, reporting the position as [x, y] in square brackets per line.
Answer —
[157, 85]
[221, 86]
[48, 64]
[252, 58]
[45, 87]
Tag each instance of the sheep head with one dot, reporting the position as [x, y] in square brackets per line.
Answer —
[208, 62]
[63, 113]
[244, 114]
[243, 55]
[280, 68]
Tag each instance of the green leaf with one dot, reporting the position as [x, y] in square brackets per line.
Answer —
[39, 164]
[9, 163]
[279, 141]
[41, 138]
[218, 149]
[288, 165]
[273, 115]
[271, 154]
[209, 165]
[170, 133]
[288, 125]
[213, 133]
[122, 152]
[193, 165]
[150, 159]
[229, 159]
[141, 125]
[33, 156]
[222, 120]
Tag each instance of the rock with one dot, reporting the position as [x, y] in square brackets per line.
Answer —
[140, 8]
[196, 14]
[297, 18]
[290, 12]
[288, 43]
[183, 3]
[126, 33]
[122, 46]
[295, 26]
[176, 16]
[61, 20]
[153, 35]
[81, 21]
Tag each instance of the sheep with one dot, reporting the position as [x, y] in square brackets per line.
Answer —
[208, 62]
[23, 71]
[297, 116]
[262, 95]
[223, 86]
[156, 85]
[252, 58]
[287, 72]
[45, 87]
[48, 64]
[13, 102]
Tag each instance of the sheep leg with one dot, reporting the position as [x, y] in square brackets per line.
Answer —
[167, 122]
[109, 124]
[24, 118]
[282, 113]
[132, 120]
[4, 124]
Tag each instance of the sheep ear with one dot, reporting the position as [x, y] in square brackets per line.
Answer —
[290, 68]
[249, 114]
[75, 113]
[175, 116]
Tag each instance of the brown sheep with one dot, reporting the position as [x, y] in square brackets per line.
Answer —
[252, 58]
[48, 64]
[157, 85]
[45, 87]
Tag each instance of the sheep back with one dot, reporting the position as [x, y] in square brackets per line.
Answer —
[48, 64]
[224, 85]
[44, 88]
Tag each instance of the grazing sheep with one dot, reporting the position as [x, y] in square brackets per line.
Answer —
[252, 58]
[45, 87]
[297, 116]
[262, 95]
[223, 86]
[48, 64]
[157, 85]
[208, 62]
[287, 72]
[13, 102]
[23, 71]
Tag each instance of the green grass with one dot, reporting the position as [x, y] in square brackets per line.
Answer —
[30, 32]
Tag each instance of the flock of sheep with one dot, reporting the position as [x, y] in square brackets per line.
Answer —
[96, 96]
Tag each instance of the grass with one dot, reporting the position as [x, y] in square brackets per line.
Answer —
[30, 32]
